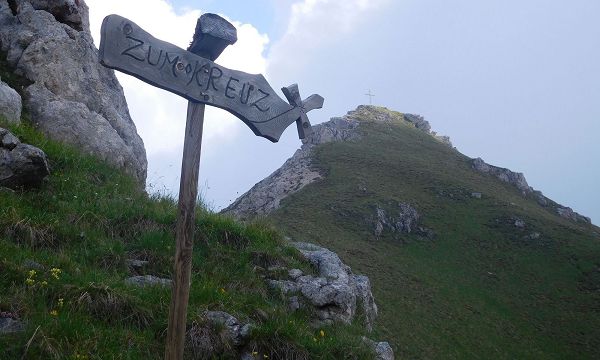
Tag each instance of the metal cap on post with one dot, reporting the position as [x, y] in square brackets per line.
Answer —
[213, 34]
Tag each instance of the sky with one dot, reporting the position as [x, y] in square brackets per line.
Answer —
[516, 83]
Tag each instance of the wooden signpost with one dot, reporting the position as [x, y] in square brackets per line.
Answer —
[126, 47]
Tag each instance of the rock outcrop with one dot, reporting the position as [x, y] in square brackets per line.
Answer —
[514, 178]
[297, 171]
[216, 333]
[21, 165]
[403, 219]
[148, 280]
[10, 103]
[334, 293]
[518, 180]
[72, 97]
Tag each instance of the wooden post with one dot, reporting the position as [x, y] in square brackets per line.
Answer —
[184, 233]
[213, 34]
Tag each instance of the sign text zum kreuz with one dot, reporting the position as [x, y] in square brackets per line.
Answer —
[248, 96]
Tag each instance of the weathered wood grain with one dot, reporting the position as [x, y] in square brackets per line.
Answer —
[128, 48]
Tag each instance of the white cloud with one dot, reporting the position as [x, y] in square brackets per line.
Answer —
[159, 115]
[314, 24]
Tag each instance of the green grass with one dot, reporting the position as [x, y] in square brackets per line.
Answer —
[86, 220]
[480, 288]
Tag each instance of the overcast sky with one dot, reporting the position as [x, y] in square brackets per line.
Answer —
[514, 82]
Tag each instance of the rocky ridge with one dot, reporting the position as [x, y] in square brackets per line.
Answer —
[518, 180]
[297, 171]
[70, 96]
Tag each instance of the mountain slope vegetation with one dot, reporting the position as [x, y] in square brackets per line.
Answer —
[502, 277]
[67, 248]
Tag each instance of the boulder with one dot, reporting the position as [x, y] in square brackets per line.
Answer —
[72, 97]
[21, 165]
[148, 280]
[74, 13]
[9, 325]
[382, 349]
[214, 334]
[334, 294]
[10, 104]
[236, 332]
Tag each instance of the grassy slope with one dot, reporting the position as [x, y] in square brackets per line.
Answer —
[86, 220]
[479, 289]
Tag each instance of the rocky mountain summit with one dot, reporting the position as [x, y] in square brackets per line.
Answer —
[69, 95]
[297, 171]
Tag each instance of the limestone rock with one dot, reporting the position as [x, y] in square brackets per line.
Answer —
[418, 121]
[335, 293]
[148, 280]
[514, 178]
[236, 332]
[73, 98]
[74, 13]
[568, 213]
[21, 165]
[403, 219]
[9, 325]
[10, 104]
[382, 349]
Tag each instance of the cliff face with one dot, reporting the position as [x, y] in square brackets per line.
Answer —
[69, 95]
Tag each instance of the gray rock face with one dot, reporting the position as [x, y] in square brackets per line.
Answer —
[419, 122]
[568, 213]
[71, 12]
[335, 293]
[514, 178]
[148, 280]
[382, 349]
[21, 165]
[10, 103]
[404, 219]
[73, 98]
[9, 325]
[215, 334]
[236, 332]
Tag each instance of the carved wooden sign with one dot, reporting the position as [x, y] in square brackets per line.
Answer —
[128, 48]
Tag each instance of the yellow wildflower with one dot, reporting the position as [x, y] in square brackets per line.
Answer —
[61, 302]
[55, 272]
[222, 290]
[254, 353]
[322, 333]
[31, 273]
[29, 281]
[44, 283]
[54, 313]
